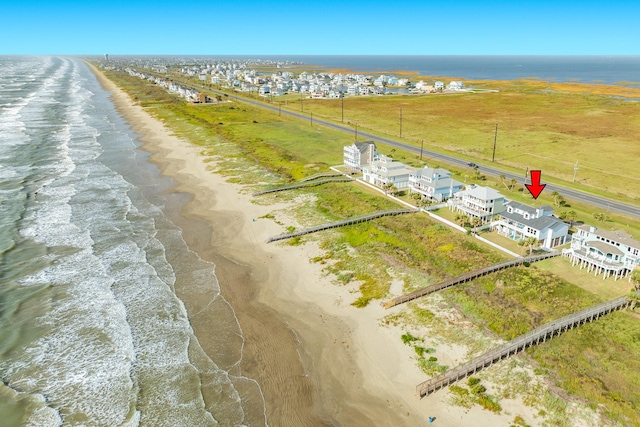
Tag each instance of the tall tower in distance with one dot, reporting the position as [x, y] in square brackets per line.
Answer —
[106, 56]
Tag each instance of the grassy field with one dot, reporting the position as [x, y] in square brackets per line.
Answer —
[260, 148]
[537, 129]
[547, 126]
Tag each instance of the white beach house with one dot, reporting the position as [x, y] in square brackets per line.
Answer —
[359, 154]
[434, 183]
[520, 221]
[477, 201]
[384, 171]
[610, 253]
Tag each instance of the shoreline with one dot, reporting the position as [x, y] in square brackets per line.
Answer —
[273, 354]
[318, 360]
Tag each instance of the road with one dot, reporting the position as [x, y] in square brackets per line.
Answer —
[568, 193]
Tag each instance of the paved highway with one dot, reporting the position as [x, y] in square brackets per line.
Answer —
[568, 193]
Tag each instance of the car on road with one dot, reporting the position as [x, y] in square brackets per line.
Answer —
[472, 165]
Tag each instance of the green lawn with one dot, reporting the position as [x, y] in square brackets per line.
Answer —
[606, 289]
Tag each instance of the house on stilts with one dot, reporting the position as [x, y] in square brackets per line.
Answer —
[610, 253]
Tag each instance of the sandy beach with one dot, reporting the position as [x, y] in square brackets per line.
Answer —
[318, 360]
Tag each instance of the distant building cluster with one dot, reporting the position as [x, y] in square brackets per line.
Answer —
[242, 75]
[315, 85]
[189, 94]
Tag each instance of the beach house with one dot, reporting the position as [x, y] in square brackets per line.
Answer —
[478, 202]
[520, 221]
[359, 154]
[433, 183]
[353, 90]
[385, 171]
[610, 253]
[455, 85]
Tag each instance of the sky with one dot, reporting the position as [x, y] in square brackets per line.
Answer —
[327, 27]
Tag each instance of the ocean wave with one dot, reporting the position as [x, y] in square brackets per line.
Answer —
[93, 325]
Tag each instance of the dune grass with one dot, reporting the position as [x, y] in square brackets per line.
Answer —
[597, 362]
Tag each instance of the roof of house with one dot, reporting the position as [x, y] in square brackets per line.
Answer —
[394, 172]
[364, 146]
[529, 209]
[540, 223]
[445, 183]
[430, 172]
[483, 193]
[605, 248]
[614, 235]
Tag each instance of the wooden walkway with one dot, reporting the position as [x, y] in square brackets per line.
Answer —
[307, 183]
[320, 175]
[516, 345]
[465, 278]
[342, 223]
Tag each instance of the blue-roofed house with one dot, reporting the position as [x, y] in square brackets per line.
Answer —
[434, 183]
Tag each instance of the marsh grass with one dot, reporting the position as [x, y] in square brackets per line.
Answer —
[475, 393]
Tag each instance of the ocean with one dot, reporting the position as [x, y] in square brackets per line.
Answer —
[91, 330]
[619, 70]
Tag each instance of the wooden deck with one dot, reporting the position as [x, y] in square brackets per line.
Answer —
[465, 278]
[342, 223]
[516, 345]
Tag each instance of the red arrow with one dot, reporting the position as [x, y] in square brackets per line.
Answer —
[535, 188]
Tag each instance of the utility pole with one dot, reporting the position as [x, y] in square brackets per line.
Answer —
[421, 147]
[495, 139]
[356, 131]
[575, 171]
[400, 122]
[301, 107]
[312, 118]
[342, 107]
